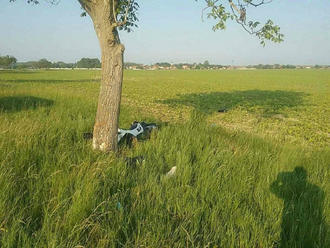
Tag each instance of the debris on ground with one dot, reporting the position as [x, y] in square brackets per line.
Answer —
[118, 206]
[136, 129]
[222, 110]
[171, 172]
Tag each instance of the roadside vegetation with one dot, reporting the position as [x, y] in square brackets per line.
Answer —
[255, 174]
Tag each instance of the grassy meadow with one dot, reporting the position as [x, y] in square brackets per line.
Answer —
[255, 175]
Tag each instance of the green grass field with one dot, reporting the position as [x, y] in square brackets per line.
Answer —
[254, 176]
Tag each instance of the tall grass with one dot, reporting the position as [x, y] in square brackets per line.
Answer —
[231, 188]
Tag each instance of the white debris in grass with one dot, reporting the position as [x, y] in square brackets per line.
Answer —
[171, 172]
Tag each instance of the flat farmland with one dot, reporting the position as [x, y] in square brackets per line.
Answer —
[251, 149]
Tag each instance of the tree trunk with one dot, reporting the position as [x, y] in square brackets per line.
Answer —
[104, 17]
[106, 122]
[107, 116]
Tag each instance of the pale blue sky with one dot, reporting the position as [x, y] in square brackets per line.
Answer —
[169, 30]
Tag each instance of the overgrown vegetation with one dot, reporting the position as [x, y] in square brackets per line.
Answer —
[254, 176]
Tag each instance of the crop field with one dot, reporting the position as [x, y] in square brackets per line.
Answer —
[255, 174]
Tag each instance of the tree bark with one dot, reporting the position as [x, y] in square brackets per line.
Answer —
[106, 122]
[107, 116]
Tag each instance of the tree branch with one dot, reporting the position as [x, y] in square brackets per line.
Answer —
[119, 24]
[238, 12]
[232, 5]
[250, 2]
[114, 11]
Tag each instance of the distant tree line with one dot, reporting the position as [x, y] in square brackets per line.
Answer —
[275, 66]
[207, 66]
[88, 63]
[7, 62]
[166, 65]
[10, 62]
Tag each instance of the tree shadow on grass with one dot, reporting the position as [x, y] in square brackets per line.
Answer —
[270, 102]
[302, 222]
[20, 103]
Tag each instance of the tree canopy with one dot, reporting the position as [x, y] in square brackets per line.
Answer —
[44, 63]
[7, 61]
[88, 63]
[223, 10]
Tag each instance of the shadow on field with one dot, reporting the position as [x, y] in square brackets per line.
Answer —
[49, 81]
[302, 222]
[270, 102]
[19, 103]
